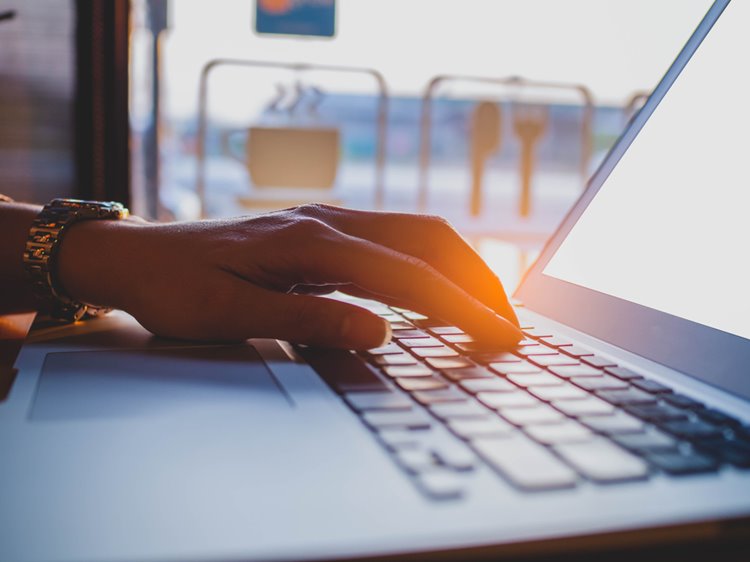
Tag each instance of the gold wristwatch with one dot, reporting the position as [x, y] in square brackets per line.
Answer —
[42, 247]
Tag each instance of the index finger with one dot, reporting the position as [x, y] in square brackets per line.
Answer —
[431, 239]
[383, 271]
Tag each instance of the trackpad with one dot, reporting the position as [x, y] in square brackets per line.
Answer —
[116, 384]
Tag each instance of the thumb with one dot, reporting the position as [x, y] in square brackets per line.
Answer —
[325, 322]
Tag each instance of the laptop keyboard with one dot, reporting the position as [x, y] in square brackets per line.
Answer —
[548, 415]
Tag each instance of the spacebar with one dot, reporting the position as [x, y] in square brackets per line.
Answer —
[524, 463]
[341, 369]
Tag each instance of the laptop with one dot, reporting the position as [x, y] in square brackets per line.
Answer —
[623, 418]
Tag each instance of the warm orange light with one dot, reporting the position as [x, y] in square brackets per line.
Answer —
[276, 6]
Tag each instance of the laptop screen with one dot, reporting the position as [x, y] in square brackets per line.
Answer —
[668, 228]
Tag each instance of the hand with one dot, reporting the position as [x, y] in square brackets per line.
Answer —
[262, 276]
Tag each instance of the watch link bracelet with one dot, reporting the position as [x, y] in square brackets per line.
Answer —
[43, 245]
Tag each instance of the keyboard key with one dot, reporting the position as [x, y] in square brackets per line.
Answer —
[480, 347]
[395, 359]
[459, 410]
[502, 400]
[691, 430]
[657, 412]
[499, 357]
[404, 371]
[527, 342]
[538, 414]
[736, 453]
[681, 464]
[623, 373]
[441, 485]
[406, 334]
[538, 333]
[619, 423]
[480, 427]
[717, 417]
[682, 401]
[589, 406]
[627, 397]
[411, 315]
[343, 370]
[559, 433]
[601, 461]
[386, 314]
[395, 439]
[426, 323]
[742, 433]
[445, 330]
[562, 392]
[458, 338]
[421, 383]
[421, 342]
[553, 360]
[389, 348]
[651, 386]
[383, 312]
[442, 363]
[364, 401]
[436, 396]
[454, 454]
[554, 341]
[402, 325]
[480, 385]
[416, 461]
[605, 382]
[524, 463]
[514, 368]
[731, 451]
[468, 373]
[536, 350]
[576, 371]
[434, 352]
[576, 351]
[538, 379]
[598, 361]
[410, 419]
[647, 442]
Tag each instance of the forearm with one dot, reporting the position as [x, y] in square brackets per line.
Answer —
[15, 291]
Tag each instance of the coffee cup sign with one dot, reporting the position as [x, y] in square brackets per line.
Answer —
[291, 157]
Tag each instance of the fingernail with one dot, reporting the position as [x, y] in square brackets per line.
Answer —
[513, 330]
[365, 330]
[510, 334]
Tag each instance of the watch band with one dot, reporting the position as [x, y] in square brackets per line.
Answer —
[42, 247]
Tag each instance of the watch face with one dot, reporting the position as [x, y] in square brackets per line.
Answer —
[90, 209]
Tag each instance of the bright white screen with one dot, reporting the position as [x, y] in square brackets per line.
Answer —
[670, 227]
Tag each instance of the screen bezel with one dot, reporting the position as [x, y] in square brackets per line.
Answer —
[713, 356]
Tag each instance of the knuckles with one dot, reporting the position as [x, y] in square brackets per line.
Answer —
[315, 210]
[306, 232]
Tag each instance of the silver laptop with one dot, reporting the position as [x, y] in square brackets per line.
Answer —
[623, 418]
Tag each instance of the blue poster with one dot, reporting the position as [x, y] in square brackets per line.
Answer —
[296, 17]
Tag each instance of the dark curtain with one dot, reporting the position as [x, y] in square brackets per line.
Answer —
[102, 155]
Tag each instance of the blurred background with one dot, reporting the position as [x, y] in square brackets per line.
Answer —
[493, 113]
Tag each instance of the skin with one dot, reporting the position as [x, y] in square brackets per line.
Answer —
[266, 276]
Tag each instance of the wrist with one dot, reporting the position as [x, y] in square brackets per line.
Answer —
[95, 261]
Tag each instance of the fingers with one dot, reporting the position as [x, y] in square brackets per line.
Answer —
[306, 319]
[340, 258]
[431, 239]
